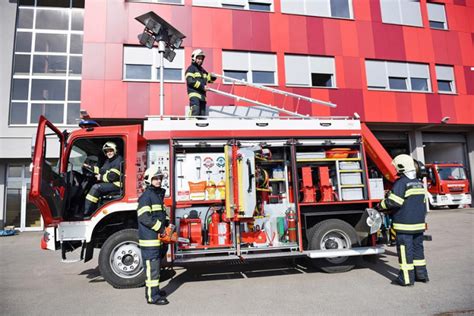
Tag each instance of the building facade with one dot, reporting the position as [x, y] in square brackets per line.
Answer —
[405, 67]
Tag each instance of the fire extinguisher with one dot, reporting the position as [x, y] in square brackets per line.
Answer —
[213, 229]
[291, 219]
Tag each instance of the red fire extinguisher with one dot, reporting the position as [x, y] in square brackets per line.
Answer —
[213, 229]
[291, 218]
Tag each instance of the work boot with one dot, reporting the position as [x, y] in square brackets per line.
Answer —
[162, 293]
[397, 282]
[160, 301]
[425, 280]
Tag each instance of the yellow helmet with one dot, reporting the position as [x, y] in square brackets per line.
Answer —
[150, 173]
[403, 163]
[109, 145]
[196, 53]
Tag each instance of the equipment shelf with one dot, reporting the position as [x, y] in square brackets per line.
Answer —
[326, 159]
[183, 204]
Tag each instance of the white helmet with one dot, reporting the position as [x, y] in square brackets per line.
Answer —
[109, 145]
[150, 173]
[196, 53]
[403, 163]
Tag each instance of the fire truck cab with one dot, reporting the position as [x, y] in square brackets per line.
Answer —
[236, 188]
[448, 184]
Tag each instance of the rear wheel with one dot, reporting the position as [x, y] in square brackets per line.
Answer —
[333, 234]
[120, 260]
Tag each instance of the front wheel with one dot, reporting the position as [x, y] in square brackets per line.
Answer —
[120, 260]
[333, 234]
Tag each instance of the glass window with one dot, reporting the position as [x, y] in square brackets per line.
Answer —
[405, 12]
[437, 16]
[259, 6]
[75, 65]
[23, 42]
[340, 8]
[49, 64]
[171, 74]
[419, 84]
[48, 89]
[20, 89]
[138, 72]
[239, 75]
[22, 64]
[396, 83]
[324, 8]
[73, 111]
[263, 77]
[52, 111]
[18, 113]
[444, 86]
[77, 20]
[445, 79]
[56, 43]
[76, 44]
[52, 19]
[74, 90]
[321, 80]
[25, 18]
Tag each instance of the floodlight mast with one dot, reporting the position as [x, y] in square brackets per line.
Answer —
[168, 38]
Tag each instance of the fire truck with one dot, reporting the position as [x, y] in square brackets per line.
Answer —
[236, 189]
[448, 184]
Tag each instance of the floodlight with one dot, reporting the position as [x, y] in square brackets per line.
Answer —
[161, 29]
[146, 39]
[169, 54]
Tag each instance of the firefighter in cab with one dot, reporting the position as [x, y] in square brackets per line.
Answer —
[152, 220]
[108, 177]
[406, 204]
[196, 80]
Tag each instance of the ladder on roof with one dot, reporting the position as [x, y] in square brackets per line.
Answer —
[232, 84]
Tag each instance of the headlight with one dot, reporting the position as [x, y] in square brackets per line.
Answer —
[374, 220]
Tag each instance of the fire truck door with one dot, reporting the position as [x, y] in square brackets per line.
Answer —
[47, 183]
[246, 182]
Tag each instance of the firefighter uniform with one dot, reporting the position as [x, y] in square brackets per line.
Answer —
[110, 177]
[407, 201]
[196, 79]
[151, 214]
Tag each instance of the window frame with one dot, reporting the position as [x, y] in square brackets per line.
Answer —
[235, 4]
[310, 59]
[327, 3]
[384, 7]
[431, 12]
[441, 77]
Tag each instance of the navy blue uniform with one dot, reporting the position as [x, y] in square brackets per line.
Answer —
[196, 79]
[110, 183]
[151, 214]
[407, 201]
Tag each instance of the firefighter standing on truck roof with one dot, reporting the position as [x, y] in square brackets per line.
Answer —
[196, 80]
[406, 200]
[152, 219]
[108, 176]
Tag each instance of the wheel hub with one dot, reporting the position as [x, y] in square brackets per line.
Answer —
[125, 260]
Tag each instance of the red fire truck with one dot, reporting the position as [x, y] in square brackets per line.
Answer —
[236, 188]
[448, 184]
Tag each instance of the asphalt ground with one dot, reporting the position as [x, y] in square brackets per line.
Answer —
[35, 282]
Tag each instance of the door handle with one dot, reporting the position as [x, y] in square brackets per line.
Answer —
[251, 175]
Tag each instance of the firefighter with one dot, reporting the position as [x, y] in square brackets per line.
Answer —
[108, 177]
[196, 79]
[152, 217]
[406, 203]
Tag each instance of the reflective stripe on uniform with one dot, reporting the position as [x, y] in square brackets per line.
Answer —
[156, 207]
[117, 184]
[383, 205]
[396, 199]
[96, 170]
[410, 192]
[197, 84]
[152, 283]
[104, 177]
[148, 277]
[193, 74]
[144, 209]
[404, 266]
[194, 95]
[149, 243]
[419, 263]
[92, 198]
[409, 227]
[157, 226]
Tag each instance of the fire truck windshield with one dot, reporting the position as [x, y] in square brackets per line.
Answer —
[452, 173]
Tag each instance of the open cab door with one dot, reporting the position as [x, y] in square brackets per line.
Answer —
[47, 185]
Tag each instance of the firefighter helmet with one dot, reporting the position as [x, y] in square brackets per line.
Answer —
[150, 173]
[109, 145]
[196, 53]
[403, 163]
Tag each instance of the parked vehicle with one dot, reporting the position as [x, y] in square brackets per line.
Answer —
[448, 184]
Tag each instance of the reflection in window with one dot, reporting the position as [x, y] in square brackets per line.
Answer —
[46, 89]
[20, 89]
[419, 84]
[22, 64]
[49, 64]
[18, 112]
[56, 43]
[263, 77]
[239, 75]
[138, 72]
[397, 83]
[52, 111]
[23, 42]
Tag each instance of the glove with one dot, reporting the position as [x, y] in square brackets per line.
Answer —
[169, 236]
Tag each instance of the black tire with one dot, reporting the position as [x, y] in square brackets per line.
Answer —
[333, 234]
[120, 261]
[453, 206]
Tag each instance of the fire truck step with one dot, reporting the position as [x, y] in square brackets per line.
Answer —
[359, 251]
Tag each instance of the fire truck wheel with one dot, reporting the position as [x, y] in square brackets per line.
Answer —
[120, 261]
[333, 234]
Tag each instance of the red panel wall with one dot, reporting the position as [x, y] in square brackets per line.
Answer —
[109, 24]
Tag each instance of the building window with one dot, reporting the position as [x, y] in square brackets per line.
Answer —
[143, 64]
[324, 8]
[47, 62]
[257, 68]
[437, 16]
[445, 79]
[405, 12]
[159, 1]
[255, 5]
[386, 75]
[310, 71]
